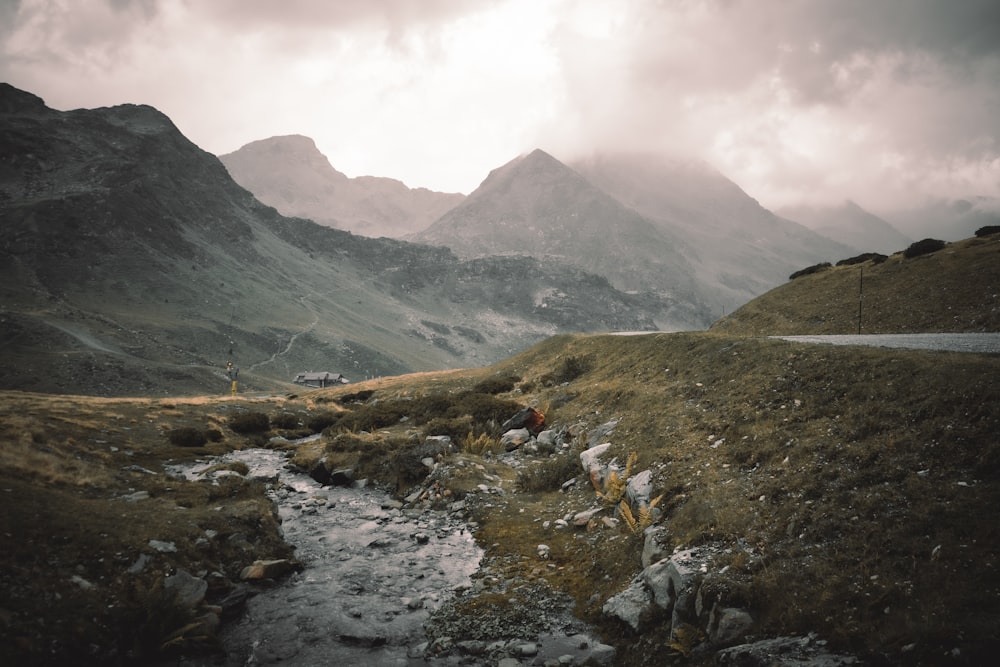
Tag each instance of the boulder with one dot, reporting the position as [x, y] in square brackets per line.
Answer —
[320, 471]
[187, 590]
[640, 489]
[528, 418]
[654, 547]
[601, 433]
[342, 477]
[514, 438]
[633, 606]
[728, 625]
[589, 458]
[806, 651]
[269, 569]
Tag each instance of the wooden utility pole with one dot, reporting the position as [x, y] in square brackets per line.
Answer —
[861, 294]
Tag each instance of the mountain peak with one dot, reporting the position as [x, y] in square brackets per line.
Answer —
[15, 100]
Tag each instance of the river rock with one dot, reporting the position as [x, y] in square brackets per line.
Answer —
[728, 625]
[320, 471]
[269, 569]
[342, 477]
[187, 590]
[633, 606]
[805, 651]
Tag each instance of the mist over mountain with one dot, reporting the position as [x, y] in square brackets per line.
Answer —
[738, 248]
[132, 263]
[851, 225]
[292, 175]
[537, 206]
[946, 219]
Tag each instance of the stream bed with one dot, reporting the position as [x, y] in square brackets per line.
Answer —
[372, 574]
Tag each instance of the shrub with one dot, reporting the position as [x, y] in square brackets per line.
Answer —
[285, 420]
[923, 247]
[549, 474]
[322, 421]
[874, 257]
[809, 270]
[570, 369]
[213, 434]
[250, 422]
[357, 397]
[487, 412]
[988, 230]
[496, 385]
[187, 436]
[457, 428]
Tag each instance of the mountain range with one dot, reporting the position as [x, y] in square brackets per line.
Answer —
[290, 174]
[132, 263]
[649, 224]
[851, 225]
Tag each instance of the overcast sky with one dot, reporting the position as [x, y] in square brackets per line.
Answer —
[881, 101]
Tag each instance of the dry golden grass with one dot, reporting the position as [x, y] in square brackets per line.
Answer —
[823, 469]
[956, 289]
[831, 473]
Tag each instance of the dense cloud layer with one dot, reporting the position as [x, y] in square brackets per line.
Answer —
[883, 102]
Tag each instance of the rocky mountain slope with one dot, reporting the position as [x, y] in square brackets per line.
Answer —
[133, 264]
[738, 249]
[537, 206]
[851, 225]
[290, 174]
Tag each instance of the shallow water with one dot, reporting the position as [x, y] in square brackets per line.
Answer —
[372, 575]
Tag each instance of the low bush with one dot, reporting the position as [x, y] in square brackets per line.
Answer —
[456, 428]
[357, 397]
[250, 422]
[549, 474]
[323, 420]
[496, 385]
[809, 270]
[874, 257]
[988, 230]
[569, 369]
[285, 420]
[187, 436]
[923, 247]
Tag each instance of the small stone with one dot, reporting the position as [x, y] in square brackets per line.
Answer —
[163, 547]
[268, 569]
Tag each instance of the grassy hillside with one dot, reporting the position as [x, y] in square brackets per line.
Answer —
[825, 478]
[956, 289]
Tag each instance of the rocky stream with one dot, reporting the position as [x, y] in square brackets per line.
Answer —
[373, 572]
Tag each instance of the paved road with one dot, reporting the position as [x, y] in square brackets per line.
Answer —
[954, 342]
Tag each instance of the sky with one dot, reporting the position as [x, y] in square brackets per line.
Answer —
[884, 102]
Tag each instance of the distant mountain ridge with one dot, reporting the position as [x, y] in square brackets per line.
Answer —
[537, 206]
[738, 248]
[674, 228]
[851, 225]
[132, 263]
[292, 175]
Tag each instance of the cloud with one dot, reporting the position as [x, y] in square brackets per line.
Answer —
[795, 101]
